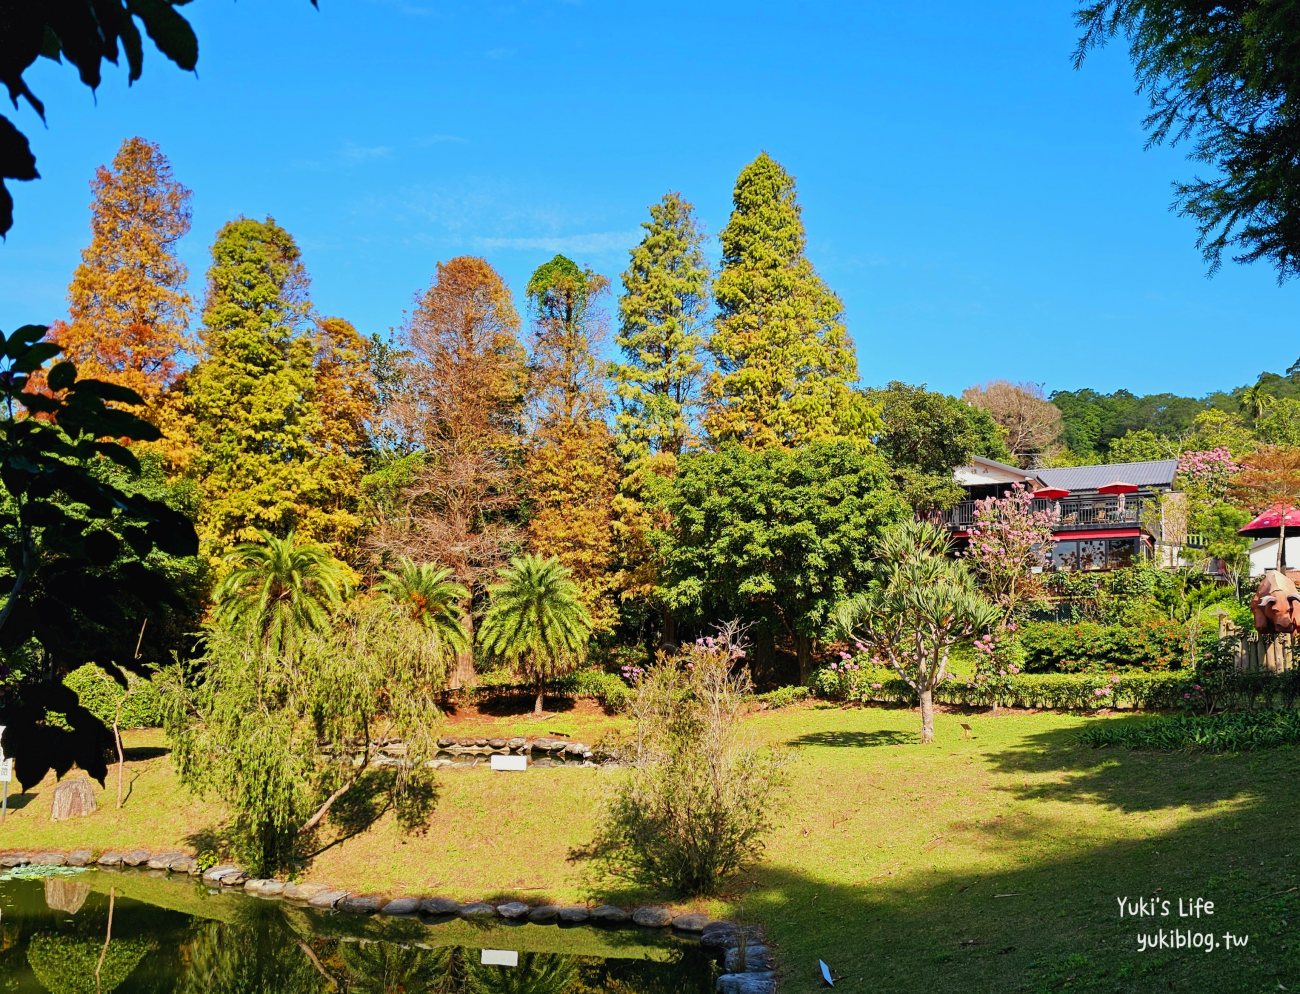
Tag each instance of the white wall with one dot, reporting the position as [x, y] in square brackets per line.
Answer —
[1263, 554]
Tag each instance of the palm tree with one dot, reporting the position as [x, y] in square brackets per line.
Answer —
[428, 592]
[536, 621]
[1255, 401]
[280, 587]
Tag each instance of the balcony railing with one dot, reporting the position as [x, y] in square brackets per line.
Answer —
[1075, 513]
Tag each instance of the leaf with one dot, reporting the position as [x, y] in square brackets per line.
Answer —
[169, 31]
[62, 375]
[119, 454]
[111, 392]
[22, 338]
[35, 357]
[16, 159]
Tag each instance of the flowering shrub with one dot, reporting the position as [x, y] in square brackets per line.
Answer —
[1009, 540]
[1211, 469]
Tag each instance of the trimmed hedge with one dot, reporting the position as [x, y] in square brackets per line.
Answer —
[607, 688]
[99, 693]
[1086, 646]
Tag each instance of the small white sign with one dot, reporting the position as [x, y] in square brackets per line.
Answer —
[500, 957]
[7, 771]
[500, 762]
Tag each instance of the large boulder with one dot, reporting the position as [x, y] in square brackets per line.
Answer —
[73, 799]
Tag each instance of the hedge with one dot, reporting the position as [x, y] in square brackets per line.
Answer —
[609, 689]
[1086, 646]
[1234, 732]
[99, 693]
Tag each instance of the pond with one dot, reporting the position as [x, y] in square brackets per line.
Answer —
[100, 931]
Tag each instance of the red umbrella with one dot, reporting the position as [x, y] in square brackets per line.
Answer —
[1269, 524]
[1118, 487]
[1051, 493]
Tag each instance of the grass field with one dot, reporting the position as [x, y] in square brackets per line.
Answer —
[992, 863]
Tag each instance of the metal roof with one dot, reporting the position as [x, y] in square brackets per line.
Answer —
[1157, 473]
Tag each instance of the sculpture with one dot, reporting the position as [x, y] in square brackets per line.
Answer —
[1275, 604]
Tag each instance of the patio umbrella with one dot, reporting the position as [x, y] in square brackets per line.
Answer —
[1118, 487]
[1051, 493]
[1275, 523]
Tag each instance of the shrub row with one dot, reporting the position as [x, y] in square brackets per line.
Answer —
[1234, 732]
[99, 693]
[1086, 646]
[609, 689]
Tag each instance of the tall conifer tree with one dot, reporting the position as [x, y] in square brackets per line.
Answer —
[572, 467]
[784, 359]
[128, 308]
[257, 432]
[666, 292]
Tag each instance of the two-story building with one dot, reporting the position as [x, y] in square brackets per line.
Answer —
[1103, 517]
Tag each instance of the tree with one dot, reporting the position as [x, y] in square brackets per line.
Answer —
[1270, 480]
[926, 435]
[1010, 545]
[1226, 78]
[1215, 429]
[458, 410]
[67, 527]
[1031, 422]
[427, 592]
[536, 621]
[665, 293]
[775, 537]
[258, 434]
[129, 310]
[571, 466]
[279, 589]
[1203, 480]
[922, 605]
[698, 799]
[1141, 445]
[784, 359]
[281, 738]
[1280, 423]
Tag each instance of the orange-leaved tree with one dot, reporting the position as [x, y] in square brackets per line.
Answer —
[1270, 479]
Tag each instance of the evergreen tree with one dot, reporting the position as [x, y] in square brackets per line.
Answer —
[571, 465]
[784, 359]
[666, 291]
[256, 432]
[128, 308]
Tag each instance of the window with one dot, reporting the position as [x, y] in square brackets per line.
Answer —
[1065, 555]
[1120, 552]
[1092, 554]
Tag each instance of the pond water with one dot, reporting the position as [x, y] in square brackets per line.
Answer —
[99, 931]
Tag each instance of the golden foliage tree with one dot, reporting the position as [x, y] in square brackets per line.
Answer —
[128, 308]
[458, 407]
[571, 464]
[1270, 480]
[1032, 423]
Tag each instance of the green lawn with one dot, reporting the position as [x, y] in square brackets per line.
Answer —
[974, 865]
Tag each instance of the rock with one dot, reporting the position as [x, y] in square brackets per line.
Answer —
[136, 857]
[399, 749]
[49, 859]
[576, 749]
[255, 886]
[235, 878]
[10, 860]
[439, 906]
[516, 744]
[548, 745]
[496, 743]
[109, 859]
[401, 906]
[574, 915]
[303, 892]
[326, 899]
[365, 904]
[746, 983]
[512, 910]
[443, 743]
[724, 935]
[609, 915]
[73, 799]
[652, 917]
[80, 857]
[756, 959]
[183, 864]
[272, 888]
[691, 923]
[215, 873]
[479, 909]
[162, 861]
[544, 913]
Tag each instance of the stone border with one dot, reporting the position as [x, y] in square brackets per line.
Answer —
[748, 963]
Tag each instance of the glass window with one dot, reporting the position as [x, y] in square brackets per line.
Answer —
[1120, 552]
[1065, 555]
[1092, 553]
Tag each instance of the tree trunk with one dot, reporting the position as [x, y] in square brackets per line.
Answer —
[927, 716]
[668, 635]
[803, 649]
[1281, 544]
[464, 674]
[541, 693]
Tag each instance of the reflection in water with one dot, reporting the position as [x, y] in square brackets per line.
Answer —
[116, 944]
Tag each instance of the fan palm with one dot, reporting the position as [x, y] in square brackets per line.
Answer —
[432, 597]
[279, 588]
[535, 621]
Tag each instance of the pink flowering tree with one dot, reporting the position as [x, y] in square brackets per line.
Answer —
[1010, 544]
[1204, 481]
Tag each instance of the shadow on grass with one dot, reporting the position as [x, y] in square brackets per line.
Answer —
[854, 740]
[138, 754]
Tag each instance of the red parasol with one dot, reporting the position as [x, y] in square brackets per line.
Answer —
[1051, 493]
[1118, 487]
[1269, 524]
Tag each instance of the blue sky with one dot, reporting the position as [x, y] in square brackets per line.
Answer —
[983, 209]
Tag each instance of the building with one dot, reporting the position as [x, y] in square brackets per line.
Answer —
[1092, 529]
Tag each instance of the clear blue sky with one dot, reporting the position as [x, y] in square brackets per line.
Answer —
[983, 209]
